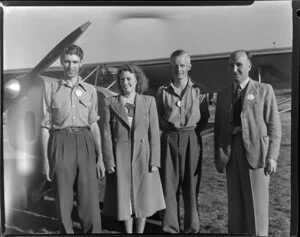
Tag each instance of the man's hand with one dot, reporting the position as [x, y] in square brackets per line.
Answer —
[271, 166]
[100, 168]
[46, 169]
[219, 167]
[222, 159]
[153, 168]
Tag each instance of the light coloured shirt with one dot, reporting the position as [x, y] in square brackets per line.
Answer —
[244, 83]
[191, 111]
[124, 101]
[64, 106]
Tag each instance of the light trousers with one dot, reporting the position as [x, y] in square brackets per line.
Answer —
[248, 194]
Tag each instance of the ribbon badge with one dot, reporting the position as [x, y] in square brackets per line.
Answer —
[78, 92]
[250, 97]
[179, 103]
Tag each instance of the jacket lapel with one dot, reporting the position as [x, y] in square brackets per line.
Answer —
[119, 109]
[140, 108]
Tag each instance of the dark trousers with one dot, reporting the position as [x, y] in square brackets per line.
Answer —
[180, 168]
[248, 194]
[72, 158]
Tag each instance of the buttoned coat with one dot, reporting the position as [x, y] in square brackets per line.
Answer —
[261, 126]
[132, 152]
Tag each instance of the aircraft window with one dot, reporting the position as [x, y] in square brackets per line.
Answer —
[30, 125]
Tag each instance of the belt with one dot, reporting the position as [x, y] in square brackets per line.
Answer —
[71, 130]
[180, 130]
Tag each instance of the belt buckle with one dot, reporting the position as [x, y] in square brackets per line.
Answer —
[75, 130]
[71, 130]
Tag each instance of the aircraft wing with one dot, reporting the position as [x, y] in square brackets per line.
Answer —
[209, 71]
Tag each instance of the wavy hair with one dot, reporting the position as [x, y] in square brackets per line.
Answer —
[142, 80]
[72, 49]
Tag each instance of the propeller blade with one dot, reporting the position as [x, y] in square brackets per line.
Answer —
[22, 83]
[55, 52]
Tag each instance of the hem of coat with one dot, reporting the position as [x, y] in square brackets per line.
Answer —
[138, 214]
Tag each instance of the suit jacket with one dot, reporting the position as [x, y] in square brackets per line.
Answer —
[261, 127]
[131, 152]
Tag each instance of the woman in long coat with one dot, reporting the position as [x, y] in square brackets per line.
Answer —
[131, 151]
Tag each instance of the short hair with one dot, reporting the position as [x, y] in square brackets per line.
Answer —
[178, 53]
[248, 55]
[72, 49]
[142, 80]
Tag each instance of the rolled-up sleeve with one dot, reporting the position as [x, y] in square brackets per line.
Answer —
[46, 110]
[93, 114]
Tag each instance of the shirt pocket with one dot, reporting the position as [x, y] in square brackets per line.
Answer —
[59, 110]
[84, 107]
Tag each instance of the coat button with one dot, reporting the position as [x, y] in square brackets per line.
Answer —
[142, 140]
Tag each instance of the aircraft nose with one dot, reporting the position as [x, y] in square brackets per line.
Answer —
[12, 88]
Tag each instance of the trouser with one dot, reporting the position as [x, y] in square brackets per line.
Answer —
[180, 168]
[248, 193]
[73, 159]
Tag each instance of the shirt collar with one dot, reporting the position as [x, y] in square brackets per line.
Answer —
[244, 83]
[80, 83]
[190, 83]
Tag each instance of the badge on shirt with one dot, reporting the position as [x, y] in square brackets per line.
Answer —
[78, 92]
[179, 103]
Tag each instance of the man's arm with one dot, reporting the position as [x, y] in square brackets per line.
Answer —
[272, 119]
[46, 124]
[97, 141]
[220, 155]
[45, 141]
[163, 124]
[93, 118]
[273, 123]
[204, 114]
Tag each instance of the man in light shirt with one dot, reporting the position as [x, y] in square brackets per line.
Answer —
[72, 144]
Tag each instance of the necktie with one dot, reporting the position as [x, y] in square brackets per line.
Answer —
[130, 108]
[238, 93]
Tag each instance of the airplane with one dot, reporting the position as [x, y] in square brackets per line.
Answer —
[22, 107]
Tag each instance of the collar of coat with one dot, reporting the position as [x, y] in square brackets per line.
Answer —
[140, 108]
[250, 93]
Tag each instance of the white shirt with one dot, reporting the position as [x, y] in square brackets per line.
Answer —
[244, 83]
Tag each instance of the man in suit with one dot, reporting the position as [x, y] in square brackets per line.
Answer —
[247, 141]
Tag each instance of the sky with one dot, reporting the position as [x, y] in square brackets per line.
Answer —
[133, 33]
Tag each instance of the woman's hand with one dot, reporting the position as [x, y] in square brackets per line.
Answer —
[153, 168]
[111, 170]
